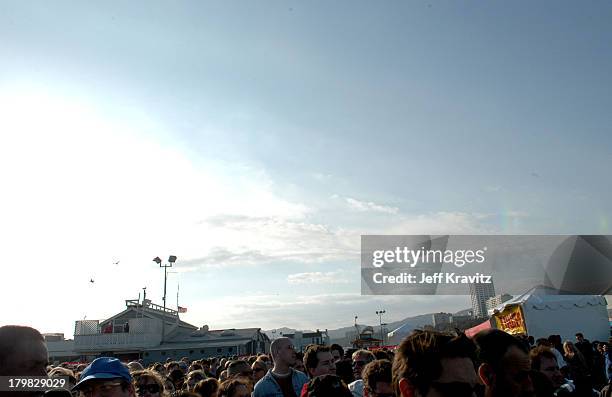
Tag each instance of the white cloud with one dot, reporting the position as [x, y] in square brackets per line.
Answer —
[336, 277]
[368, 206]
[332, 310]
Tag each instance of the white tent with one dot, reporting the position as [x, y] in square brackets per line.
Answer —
[547, 314]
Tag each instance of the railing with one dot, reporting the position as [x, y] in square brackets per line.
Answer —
[135, 303]
[141, 333]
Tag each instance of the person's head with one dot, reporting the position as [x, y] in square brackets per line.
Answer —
[259, 370]
[64, 372]
[178, 378]
[105, 377]
[435, 364]
[328, 385]
[569, 348]
[360, 359]
[195, 366]
[377, 379]
[135, 366]
[23, 352]
[318, 360]
[207, 388]
[266, 359]
[505, 366]
[579, 337]
[193, 378]
[282, 351]
[159, 368]
[298, 364]
[205, 364]
[171, 366]
[544, 360]
[223, 376]
[337, 352]
[344, 370]
[234, 388]
[239, 368]
[148, 383]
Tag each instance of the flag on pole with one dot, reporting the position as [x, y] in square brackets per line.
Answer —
[182, 309]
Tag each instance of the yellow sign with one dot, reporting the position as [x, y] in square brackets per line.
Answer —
[511, 320]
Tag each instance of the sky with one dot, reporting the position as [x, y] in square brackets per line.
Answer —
[257, 141]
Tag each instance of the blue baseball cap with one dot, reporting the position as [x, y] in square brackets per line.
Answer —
[104, 368]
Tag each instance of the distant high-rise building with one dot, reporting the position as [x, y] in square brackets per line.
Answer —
[497, 300]
[480, 292]
[440, 319]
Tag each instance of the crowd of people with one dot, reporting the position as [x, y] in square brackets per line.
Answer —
[425, 364]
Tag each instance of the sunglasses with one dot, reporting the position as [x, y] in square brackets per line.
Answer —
[104, 389]
[152, 389]
[458, 389]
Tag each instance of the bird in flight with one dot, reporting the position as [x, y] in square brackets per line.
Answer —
[91, 280]
[116, 263]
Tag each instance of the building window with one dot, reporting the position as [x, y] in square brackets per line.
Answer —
[231, 349]
[163, 354]
[219, 350]
[190, 351]
[146, 354]
[201, 351]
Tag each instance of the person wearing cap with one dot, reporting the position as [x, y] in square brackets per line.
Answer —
[105, 377]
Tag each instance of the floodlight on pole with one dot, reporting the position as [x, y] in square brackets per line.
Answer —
[380, 313]
[171, 261]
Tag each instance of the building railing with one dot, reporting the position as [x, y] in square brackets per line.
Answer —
[140, 333]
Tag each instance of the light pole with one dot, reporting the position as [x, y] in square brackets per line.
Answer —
[171, 260]
[380, 313]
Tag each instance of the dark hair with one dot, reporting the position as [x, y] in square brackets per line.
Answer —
[493, 345]
[310, 356]
[344, 370]
[579, 334]
[418, 356]
[229, 387]
[151, 374]
[232, 368]
[381, 355]
[376, 371]
[10, 337]
[336, 346]
[536, 355]
[328, 385]
[206, 387]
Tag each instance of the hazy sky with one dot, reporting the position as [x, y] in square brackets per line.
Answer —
[258, 140]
